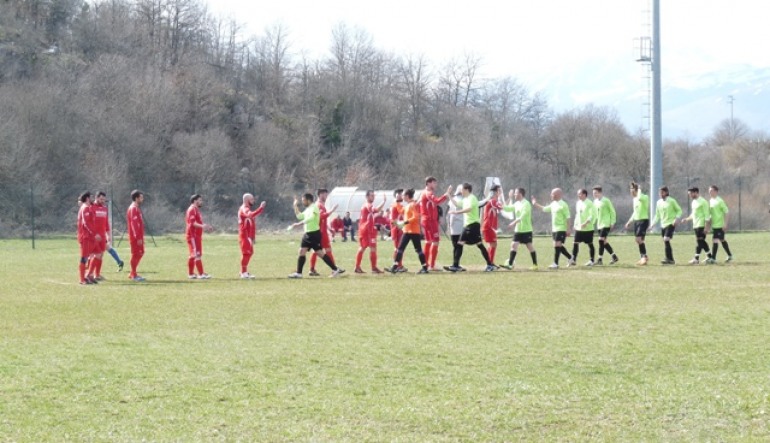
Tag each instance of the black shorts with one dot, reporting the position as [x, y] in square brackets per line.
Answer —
[718, 234]
[522, 237]
[641, 227]
[414, 239]
[311, 240]
[604, 232]
[560, 236]
[471, 234]
[668, 231]
[700, 233]
[584, 236]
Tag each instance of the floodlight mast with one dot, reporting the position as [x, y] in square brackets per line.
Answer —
[656, 135]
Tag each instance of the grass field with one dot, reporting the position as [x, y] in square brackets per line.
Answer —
[603, 354]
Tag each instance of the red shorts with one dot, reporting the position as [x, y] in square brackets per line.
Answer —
[86, 247]
[395, 235]
[431, 233]
[326, 242]
[490, 235]
[367, 241]
[195, 246]
[136, 248]
[100, 245]
[247, 246]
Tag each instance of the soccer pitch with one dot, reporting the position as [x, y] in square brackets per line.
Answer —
[617, 353]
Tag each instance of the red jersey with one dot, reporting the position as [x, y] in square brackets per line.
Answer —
[135, 223]
[192, 217]
[323, 222]
[247, 222]
[86, 224]
[491, 210]
[366, 222]
[101, 219]
[429, 208]
[337, 225]
[396, 213]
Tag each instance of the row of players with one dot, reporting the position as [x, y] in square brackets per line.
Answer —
[412, 219]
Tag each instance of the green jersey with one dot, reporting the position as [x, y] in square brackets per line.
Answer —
[641, 207]
[522, 210]
[667, 211]
[701, 212]
[606, 217]
[311, 217]
[584, 212]
[718, 211]
[559, 215]
[472, 216]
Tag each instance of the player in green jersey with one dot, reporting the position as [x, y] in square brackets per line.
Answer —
[585, 219]
[667, 211]
[701, 218]
[720, 215]
[310, 219]
[606, 217]
[471, 229]
[641, 219]
[522, 226]
[560, 216]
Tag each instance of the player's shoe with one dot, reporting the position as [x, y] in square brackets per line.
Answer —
[571, 262]
[506, 266]
[452, 268]
[337, 273]
[295, 275]
[709, 261]
[393, 269]
[667, 262]
[359, 271]
[533, 268]
[377, 271]
[729, 259]
[490, 268]
[423, 271]
[401, 269]
[247, 276]
[100, 278]
[85, 282]
[589, 263]
[204, 276]
[694, 261]
[92, 280]
[599, 262]
[192, 276]
[138, 278]
[615, 259]
[643, 261]
[462, 269]
[120, 266]
[553, 266]
[313, 273]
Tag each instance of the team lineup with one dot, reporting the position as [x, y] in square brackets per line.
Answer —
[413, 218]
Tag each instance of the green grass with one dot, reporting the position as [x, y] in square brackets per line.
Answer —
[607, 354]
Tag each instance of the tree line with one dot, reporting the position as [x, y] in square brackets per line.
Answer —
[135, 92]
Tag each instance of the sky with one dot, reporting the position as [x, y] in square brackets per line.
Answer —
[576, 52]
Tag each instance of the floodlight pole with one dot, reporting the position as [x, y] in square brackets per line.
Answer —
[656, 135]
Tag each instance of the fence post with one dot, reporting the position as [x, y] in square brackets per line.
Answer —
[740, 195]
[32, 210]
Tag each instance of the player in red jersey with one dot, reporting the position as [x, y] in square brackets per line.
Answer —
[194, 234]
[247, 232]
[397, 215]
[102, 228]
[337, 226]
[489, 224]
[367, 234]
[135, 228]
[326, 242]
[86, 236]
[429, 219]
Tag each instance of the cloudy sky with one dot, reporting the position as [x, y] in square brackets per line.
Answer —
[577, 52]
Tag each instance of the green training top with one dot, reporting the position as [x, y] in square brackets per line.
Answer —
[472, 216]
[606, 217]
[641, 206]
[700, 212]
[718, 211]
[584, 212]
[311, 216]
[522, 210]
[559, 214]
[666, 211]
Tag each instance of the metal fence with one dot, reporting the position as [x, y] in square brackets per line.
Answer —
[33, 210]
